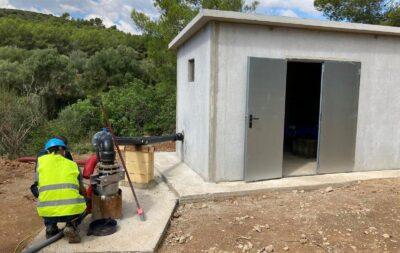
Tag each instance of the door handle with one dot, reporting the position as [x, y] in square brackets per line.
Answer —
[251, 120]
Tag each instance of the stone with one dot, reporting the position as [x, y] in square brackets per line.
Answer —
[329, 189]
[303, 241]
[286, 248]
[269, 248]
[257, 228]
[386, 236]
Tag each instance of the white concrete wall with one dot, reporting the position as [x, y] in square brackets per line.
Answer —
[193, 102]
[378, 132]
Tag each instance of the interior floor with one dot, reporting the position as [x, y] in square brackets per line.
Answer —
[302, 111]
[295, 166]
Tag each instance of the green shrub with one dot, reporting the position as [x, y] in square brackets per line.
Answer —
[136, 110]
[78, 122]
[19, 117]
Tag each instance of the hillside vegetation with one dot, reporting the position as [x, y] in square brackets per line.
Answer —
[55, 70]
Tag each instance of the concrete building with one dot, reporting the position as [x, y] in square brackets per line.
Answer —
[263, 97]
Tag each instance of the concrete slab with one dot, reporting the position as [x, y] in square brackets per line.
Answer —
[189, 186]
[133, 235]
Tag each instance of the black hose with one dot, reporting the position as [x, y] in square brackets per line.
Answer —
[42, 244]
[58, 236]
[139, 141]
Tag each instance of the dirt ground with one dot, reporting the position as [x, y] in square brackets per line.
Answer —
[359, 217]
[18, 210]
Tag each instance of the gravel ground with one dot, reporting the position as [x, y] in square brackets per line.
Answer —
[359, 217]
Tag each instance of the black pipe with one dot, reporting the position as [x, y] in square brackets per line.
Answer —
[139, 141]
[40, 245]
[44, 243]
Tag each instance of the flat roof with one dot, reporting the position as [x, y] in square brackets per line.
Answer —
[206, 16]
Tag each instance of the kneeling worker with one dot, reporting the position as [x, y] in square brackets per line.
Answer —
[60, 191]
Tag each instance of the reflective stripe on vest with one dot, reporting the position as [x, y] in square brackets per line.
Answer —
[61, 202]
[58, 187]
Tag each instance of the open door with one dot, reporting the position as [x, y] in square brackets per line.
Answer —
[265, 118]
[338, 120]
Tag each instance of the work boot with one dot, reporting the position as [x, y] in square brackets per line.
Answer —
[51, 230]
[72, 234]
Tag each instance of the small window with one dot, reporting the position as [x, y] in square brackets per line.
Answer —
[191, 70]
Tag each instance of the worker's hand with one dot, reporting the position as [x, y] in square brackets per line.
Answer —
[82, 190]
[34, 190]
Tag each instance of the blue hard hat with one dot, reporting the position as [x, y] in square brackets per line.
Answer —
[54, 142]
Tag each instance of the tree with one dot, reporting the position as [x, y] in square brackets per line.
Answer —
[111, 67]
[384, 12]
[66, 16]
[175, 15]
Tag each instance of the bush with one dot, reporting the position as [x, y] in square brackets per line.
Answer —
[19, 117]
[136, 110]
[78, 122]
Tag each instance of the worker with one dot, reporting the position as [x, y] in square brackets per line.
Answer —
[34, 186]
[60, 191]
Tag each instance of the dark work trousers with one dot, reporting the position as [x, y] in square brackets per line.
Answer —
[51, 221]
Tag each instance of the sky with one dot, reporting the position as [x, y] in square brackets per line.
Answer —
[117, 12]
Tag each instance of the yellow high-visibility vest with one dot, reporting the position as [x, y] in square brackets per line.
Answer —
[58, 187]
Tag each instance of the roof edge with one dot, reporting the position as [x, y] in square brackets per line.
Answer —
[206, 15]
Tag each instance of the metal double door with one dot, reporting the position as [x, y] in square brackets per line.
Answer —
[265, 116]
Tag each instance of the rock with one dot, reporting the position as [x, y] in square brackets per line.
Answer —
[268, 249]
[203, 205]
[264, 196]
[242, 218]
[302, 191]
[176, 215]
[329, 189]
[246, 247]
[386, 236]
[303, 241]
[182, 239]
[286, 248]
[257, 228]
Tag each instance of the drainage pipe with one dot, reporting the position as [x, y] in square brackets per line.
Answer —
[47, 242]
[42, 244]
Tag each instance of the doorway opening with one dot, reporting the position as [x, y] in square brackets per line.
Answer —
[302, 112]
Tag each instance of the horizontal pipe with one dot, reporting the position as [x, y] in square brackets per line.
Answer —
[139, 141]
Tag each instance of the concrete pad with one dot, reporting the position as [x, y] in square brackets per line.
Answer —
[189, 186]
[133, 235]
